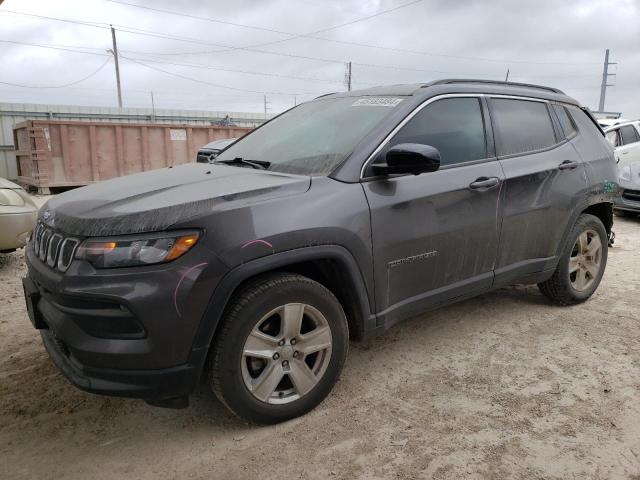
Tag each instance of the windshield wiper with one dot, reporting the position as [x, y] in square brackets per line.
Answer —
[259, 164]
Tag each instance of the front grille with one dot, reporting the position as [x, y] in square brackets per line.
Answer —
[633, 195]
[53, 248]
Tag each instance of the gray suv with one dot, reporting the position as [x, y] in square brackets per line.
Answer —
[331, 222]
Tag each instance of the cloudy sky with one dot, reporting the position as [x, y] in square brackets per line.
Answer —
[225, 55]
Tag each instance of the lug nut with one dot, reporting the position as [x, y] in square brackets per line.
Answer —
[295, 354]
[281, 342]
[285, 364]
[276, 356]
[293, 341]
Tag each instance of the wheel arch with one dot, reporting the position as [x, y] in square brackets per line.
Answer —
[600, 209]
[604, 211]
[330, 265]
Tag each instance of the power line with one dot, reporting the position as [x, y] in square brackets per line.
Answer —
[267, 52]
[80, 22]
[313, 34]
[215, 84]
[292, 36]
[66, 48]
[247, 72]
[60, 86]
[137, 31]
[74, 49]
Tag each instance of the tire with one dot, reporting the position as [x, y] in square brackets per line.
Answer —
[625, 213]
[572, 282]
[254, 351]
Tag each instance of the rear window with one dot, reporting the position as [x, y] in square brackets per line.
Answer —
[521, 126]
[568, 128]
[629, 135]
[584, 121]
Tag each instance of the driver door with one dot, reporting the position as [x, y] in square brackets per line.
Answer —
[435, 235]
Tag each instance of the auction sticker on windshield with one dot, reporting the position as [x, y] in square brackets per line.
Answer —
[377, 102]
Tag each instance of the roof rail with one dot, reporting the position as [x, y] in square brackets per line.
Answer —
[493, 82]
[325, 95]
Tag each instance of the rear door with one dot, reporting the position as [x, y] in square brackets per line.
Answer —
[435, 235]
[544, 179]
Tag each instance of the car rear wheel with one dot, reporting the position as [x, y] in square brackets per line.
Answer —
[280, 348]
[581, 265]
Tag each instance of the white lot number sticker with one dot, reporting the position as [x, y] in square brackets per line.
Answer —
[377, 102]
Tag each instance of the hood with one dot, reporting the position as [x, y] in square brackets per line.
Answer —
[156, 200]
[4, 183]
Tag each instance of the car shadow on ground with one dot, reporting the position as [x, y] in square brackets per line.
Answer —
[35, 388]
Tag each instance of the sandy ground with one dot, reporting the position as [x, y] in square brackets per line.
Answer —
[501, 386]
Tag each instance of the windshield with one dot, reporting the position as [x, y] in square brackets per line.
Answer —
[315, 137]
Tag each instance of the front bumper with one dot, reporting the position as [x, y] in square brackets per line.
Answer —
[124, 332]
[164, 383]
[629, 200]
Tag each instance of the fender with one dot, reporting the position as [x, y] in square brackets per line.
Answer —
[231, 281]
[590, 200]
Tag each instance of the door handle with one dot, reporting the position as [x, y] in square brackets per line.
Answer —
[568, 165]
[625, 152]
[484, 182]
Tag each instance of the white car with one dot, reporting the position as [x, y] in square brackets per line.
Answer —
[17, 216]
[610, 122]
[625, 138]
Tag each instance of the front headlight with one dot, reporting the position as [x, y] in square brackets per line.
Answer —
[138, 250]
[625, 173]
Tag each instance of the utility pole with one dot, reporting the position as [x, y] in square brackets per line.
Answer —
[265, 106]
[347, 77]
[605, 79]
[153, 109]
[506, 79]
[115, 57]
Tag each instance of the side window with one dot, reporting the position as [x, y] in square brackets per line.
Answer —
[612, 138]
[521, 126]
[452, 125]
[585, 122]
[629, 135]
[566, 123]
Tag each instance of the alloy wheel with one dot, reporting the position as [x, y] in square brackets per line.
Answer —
[586, 260]
[286, 354]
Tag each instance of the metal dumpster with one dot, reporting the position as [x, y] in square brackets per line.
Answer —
[66, 153]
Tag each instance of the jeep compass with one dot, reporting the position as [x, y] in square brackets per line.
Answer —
[330, 222]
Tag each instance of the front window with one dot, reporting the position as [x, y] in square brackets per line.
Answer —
[315, 137]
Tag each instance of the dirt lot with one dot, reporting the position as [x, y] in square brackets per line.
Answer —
[501, 386]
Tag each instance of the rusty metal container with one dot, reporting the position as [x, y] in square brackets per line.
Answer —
[54, 153]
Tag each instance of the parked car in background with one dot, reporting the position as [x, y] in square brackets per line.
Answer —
[625, 138]
[333, 221]
[610, 122]
[210, 151]
[18, 215]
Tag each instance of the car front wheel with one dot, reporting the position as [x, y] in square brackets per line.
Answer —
[280, 348]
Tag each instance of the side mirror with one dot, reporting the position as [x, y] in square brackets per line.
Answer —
[413, 158]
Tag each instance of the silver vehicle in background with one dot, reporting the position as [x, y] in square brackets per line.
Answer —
[625, 137]
[210, 151]
[18, 215]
